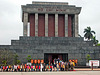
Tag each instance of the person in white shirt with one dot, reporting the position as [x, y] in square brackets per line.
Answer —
[15, 68]
[41, 67]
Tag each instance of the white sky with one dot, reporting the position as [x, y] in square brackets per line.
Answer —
[11, 26]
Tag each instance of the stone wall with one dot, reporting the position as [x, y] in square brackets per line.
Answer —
[76, 48]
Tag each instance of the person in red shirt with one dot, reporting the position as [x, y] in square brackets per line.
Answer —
[39, 67]
[36, 67]
[51, 67]
[25, 67]
[3, 68]
[18, 67]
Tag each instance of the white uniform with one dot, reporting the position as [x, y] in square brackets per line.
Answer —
[41, 67]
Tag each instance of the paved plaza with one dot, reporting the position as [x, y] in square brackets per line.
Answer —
[53, 73]
[87, 69]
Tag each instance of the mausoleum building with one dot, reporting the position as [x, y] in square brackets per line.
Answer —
[53, 33]
[50, 19]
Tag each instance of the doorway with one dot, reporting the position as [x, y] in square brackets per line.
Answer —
[51, 56]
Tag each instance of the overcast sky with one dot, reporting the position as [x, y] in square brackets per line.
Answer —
[11, 26]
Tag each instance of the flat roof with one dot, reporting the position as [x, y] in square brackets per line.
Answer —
[49, 3]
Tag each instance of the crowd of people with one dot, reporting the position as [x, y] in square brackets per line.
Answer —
[58, 65]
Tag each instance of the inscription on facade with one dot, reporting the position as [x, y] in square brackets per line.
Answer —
[50, 9]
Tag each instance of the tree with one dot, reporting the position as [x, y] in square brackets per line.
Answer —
[6, 56]
[79, 35]
[16, 61]
[4, 62]
[88, 57]
[88, 33]
[95, 42]
[29, 58]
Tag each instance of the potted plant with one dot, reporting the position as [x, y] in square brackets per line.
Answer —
[88, 58]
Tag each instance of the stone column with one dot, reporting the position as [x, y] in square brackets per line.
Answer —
[36, 24]
[66, 25]
[56, 25]
[46, 25]
[76, 25]
[73, 24]
[25, 24]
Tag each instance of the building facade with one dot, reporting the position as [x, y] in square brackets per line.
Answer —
[50, 19]
[53, 34]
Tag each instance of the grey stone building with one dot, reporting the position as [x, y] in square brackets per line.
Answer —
[53, 33]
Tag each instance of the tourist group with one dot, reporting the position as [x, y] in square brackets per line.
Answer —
[56, 65]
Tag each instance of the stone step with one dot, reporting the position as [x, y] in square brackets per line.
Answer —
[51, 38]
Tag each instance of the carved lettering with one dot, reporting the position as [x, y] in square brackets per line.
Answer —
[60, 10]
[40, 9]
[50, 9]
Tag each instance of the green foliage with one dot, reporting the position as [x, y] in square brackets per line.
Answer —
[4, 62]
[88, 33]
[98, 44]
[16, 61]
[29, 58]
[95, 42]
[88, 57]
[79, 35]
[6, 56]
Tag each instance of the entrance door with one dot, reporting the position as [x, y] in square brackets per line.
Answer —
[51, 56]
